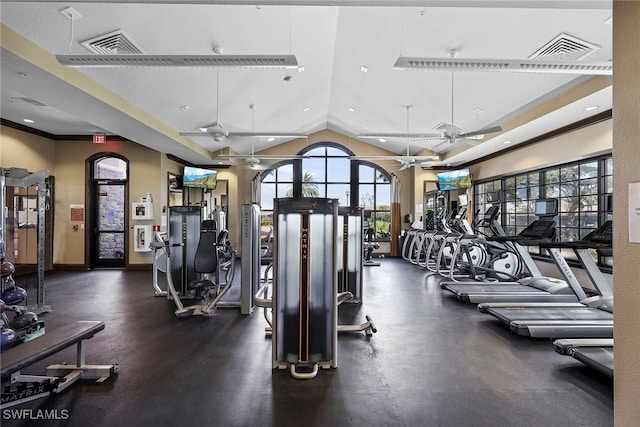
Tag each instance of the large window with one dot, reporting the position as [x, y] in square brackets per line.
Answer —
[374, 194]
[580, 187]
[328, 171]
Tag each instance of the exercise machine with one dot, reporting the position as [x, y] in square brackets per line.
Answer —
[21, 178]
[474, 257]
[596, 353]
[591, 317]
[305, 294]
[350, 252]
[535, 287]
[213, 253]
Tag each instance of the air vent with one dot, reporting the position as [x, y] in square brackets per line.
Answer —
[116, 42]
[565, 48]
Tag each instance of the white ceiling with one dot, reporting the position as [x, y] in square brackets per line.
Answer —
[331, 42]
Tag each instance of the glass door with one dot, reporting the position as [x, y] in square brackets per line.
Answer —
[109, 232]
[109, 213]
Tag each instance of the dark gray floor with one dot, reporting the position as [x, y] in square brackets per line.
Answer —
[433, 362]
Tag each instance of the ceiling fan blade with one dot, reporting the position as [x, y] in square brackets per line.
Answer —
[193, 133]
[262, 157]
[404, 158]
[484, 131]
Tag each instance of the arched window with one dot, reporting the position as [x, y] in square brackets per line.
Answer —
[327, 170]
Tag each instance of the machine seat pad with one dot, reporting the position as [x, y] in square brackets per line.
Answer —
[28, 353]
[198, 284]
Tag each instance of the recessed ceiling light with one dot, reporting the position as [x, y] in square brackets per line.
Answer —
[351, 109]
[301, 68]
[24, 75]
[364, 69]
[591, 107]
[185, 107]
[382, 140]
[28, 120]
[508, 141]
[306, 109]
[270, 139]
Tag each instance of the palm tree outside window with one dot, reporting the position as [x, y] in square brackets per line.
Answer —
[328, 171]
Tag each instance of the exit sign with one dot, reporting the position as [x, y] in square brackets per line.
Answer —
[99, 138]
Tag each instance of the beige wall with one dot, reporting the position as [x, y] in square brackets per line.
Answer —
[24, 150]
[576, 145]
[626, 156]
[145, 176]
[65, 160]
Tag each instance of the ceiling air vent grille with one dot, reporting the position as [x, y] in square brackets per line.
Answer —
[565, 48]
[116, 42]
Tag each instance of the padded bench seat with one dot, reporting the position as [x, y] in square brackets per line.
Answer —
[58, 377]
[28, 353]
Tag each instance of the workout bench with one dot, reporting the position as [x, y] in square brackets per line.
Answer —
[18, 388]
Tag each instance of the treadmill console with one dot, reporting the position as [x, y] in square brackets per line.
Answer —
[540, 229]
[490, 215]
[602, 235]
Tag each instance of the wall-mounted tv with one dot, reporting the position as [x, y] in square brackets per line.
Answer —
[454, 180]
[199, 178]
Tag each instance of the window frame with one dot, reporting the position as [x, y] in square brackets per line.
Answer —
[354, 183]
[513, 212]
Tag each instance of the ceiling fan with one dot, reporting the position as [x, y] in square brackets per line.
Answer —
[450, 133]
[219, 133]
[453, 134]
[252, 160]
[407, 160]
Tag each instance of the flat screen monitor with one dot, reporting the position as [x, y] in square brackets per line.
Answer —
[493, 196]
[546, 207]
[463, 200]
[454, 180]
[199, 178]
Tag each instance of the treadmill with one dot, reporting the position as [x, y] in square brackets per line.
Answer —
[536, 288]
[596, 353]
[592, 317]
